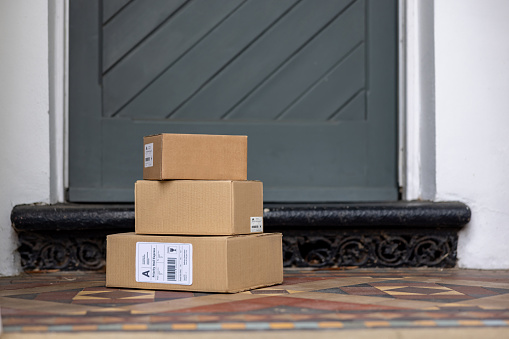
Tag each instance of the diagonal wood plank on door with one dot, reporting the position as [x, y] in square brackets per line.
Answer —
[330, 92]
[132, 24]
[283, 89]
[223, 44]
[160, 50]
[112, 7]
[270, 52]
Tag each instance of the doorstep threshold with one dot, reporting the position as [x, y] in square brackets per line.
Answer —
[399, 214]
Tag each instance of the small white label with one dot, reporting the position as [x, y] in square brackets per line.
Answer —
[164, 263]
[149, 155]
[256, 224]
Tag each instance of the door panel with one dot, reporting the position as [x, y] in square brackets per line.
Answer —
[313, 87]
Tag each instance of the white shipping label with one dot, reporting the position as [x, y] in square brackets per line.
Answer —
[256, 224]
[164, 263]
[149, 155]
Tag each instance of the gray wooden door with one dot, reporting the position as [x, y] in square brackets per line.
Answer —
[312, 83]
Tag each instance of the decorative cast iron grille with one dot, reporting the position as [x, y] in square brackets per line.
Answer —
[373, 250]
[369, 248]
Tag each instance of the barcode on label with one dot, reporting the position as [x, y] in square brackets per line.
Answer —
[170, 270]
[149, 155]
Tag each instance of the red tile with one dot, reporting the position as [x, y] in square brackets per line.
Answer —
[57, 296]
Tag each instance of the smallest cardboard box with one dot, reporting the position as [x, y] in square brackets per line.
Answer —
[194, 263]
[195, 156]
[198, 207]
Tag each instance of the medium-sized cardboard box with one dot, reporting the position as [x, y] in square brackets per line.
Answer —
[195, 156]
[198, 207]
[194, 263]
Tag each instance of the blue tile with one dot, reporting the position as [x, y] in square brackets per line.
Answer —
[494, 322]
[12, 328]
[306, 325]
[353, 324]
[400, 323]
[257, 326]
[109, 327]
[60, 328]
[450, 323]
[159, 327]
[209, 327]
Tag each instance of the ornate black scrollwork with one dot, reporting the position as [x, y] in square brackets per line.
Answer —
[392, 251]
[353, 251]
[373, 249]
[369, 248]
[55, 255]
[91, 254]
[40, 251]
[316, 251]
[290, 250]
[429, 251]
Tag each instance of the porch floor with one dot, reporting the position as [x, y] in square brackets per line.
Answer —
[359, 303]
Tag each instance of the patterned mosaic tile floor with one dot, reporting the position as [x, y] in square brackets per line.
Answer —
[315, 300]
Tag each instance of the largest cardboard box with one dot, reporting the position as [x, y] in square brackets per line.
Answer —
[195, 156]
[198, 207]
[194, 263]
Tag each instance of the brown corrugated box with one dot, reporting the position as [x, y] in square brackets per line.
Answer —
[195, 156]
[218, 263]
[198, 207]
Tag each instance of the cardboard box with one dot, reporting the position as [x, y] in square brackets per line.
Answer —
[194, 263]
[195, 156]
[198, 207]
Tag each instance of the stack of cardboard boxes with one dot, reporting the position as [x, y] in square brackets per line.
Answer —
[199, 221]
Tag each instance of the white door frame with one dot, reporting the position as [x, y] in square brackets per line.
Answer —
[417, 99]
[58, 28]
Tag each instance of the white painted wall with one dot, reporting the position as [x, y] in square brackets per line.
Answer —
[472, 122]
[24, 118]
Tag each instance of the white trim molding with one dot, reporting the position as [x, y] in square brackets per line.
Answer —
[58, 89]
[417, 99]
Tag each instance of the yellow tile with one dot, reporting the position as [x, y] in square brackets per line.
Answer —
[492, 307]
[377, 324]
[35, 328]
[86, 297]
[233, 326]
[388, 288]
[282, 325]
[145, 296]
[401, 293]
[424, 323]
[330, 324]
[183, 326]
[451, 292]
[134, 327]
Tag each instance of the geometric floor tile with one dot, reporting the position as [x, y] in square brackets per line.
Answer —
[338, 300]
